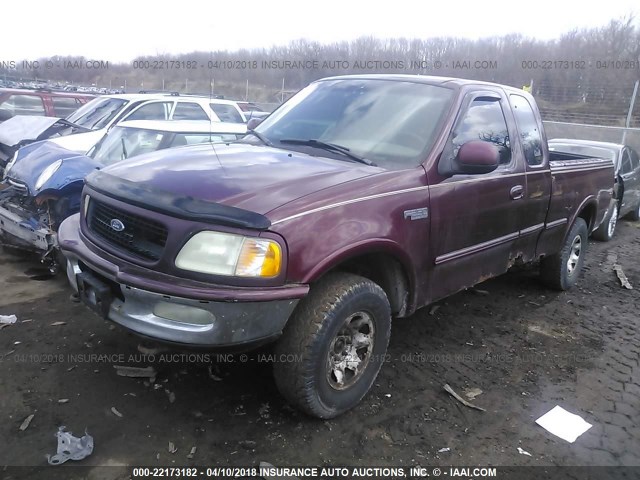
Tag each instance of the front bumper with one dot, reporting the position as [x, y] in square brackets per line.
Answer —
[170, 310]
[21, 233]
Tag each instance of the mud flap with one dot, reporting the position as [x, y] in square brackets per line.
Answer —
[94, 293]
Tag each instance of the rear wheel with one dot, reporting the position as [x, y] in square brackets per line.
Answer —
[335, 344]
[605, 231]
[561, 271]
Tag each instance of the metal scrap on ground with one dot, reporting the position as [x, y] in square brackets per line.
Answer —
[450, 391]
[523, 452]
[8, 319]
[624, 281]
[70, 447]
[26, 422]
[472, 393]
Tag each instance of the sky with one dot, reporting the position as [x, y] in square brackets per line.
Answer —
[118, 30]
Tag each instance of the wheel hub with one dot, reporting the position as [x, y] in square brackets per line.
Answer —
[350, 351]
[574, 254]
[613, 221]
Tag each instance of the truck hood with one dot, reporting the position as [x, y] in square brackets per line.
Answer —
[33, 159]
[254, 178]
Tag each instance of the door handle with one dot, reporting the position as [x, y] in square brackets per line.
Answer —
[517, 192]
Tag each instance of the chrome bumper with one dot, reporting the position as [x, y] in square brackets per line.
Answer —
[183, 320]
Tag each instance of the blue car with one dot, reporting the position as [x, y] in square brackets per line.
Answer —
[43, 181]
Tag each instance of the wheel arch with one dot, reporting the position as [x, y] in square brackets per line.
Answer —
[381, 261]
[588, 211]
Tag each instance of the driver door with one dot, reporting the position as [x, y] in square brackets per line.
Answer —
[475, 218]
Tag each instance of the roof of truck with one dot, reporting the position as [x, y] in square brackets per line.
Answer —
[427, 79]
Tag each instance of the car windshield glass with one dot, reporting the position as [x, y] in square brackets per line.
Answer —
[126, 142]
[97, 113]
[390, 123]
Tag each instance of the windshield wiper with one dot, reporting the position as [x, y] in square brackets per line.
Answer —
[332, 147]
[260, 137]
[67, 123]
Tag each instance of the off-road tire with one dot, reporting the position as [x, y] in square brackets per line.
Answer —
[307, 338]
[603, 233]
[554, 269]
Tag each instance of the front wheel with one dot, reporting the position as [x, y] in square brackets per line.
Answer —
[605, 231]
[335, 344]
[561, 271]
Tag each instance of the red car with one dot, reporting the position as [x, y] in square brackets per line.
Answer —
[44, 103]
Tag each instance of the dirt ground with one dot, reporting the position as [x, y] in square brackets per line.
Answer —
[526, 347]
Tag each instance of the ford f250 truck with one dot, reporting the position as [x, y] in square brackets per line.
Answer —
[361, 199]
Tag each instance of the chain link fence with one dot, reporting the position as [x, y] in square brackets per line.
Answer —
[606, 113]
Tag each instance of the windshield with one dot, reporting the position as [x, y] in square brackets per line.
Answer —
[97, 113]
[126, 142]
[390, 123]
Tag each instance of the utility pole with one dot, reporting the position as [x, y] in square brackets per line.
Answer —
[630, 113]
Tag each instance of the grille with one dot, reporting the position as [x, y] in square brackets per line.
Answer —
[141, 237]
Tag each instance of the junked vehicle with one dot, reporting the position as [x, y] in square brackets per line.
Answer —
[44, 181]
[41, 103]
[361, 199]
[626, 201]
[84, 128]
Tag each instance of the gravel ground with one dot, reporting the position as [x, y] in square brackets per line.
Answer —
[526, 348]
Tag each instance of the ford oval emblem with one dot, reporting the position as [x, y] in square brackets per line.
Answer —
[117, 225]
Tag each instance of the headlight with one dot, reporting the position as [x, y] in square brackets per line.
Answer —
[47, 174]
[229, 254]
[10, 164]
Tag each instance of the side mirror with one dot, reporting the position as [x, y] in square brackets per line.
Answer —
[477, 156]
[253, 123]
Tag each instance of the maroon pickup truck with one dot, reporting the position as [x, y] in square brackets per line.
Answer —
[361, 199]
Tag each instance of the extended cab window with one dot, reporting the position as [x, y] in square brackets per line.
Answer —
[152, 111]
[189, 111]
[529, 130]
[483, 120]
